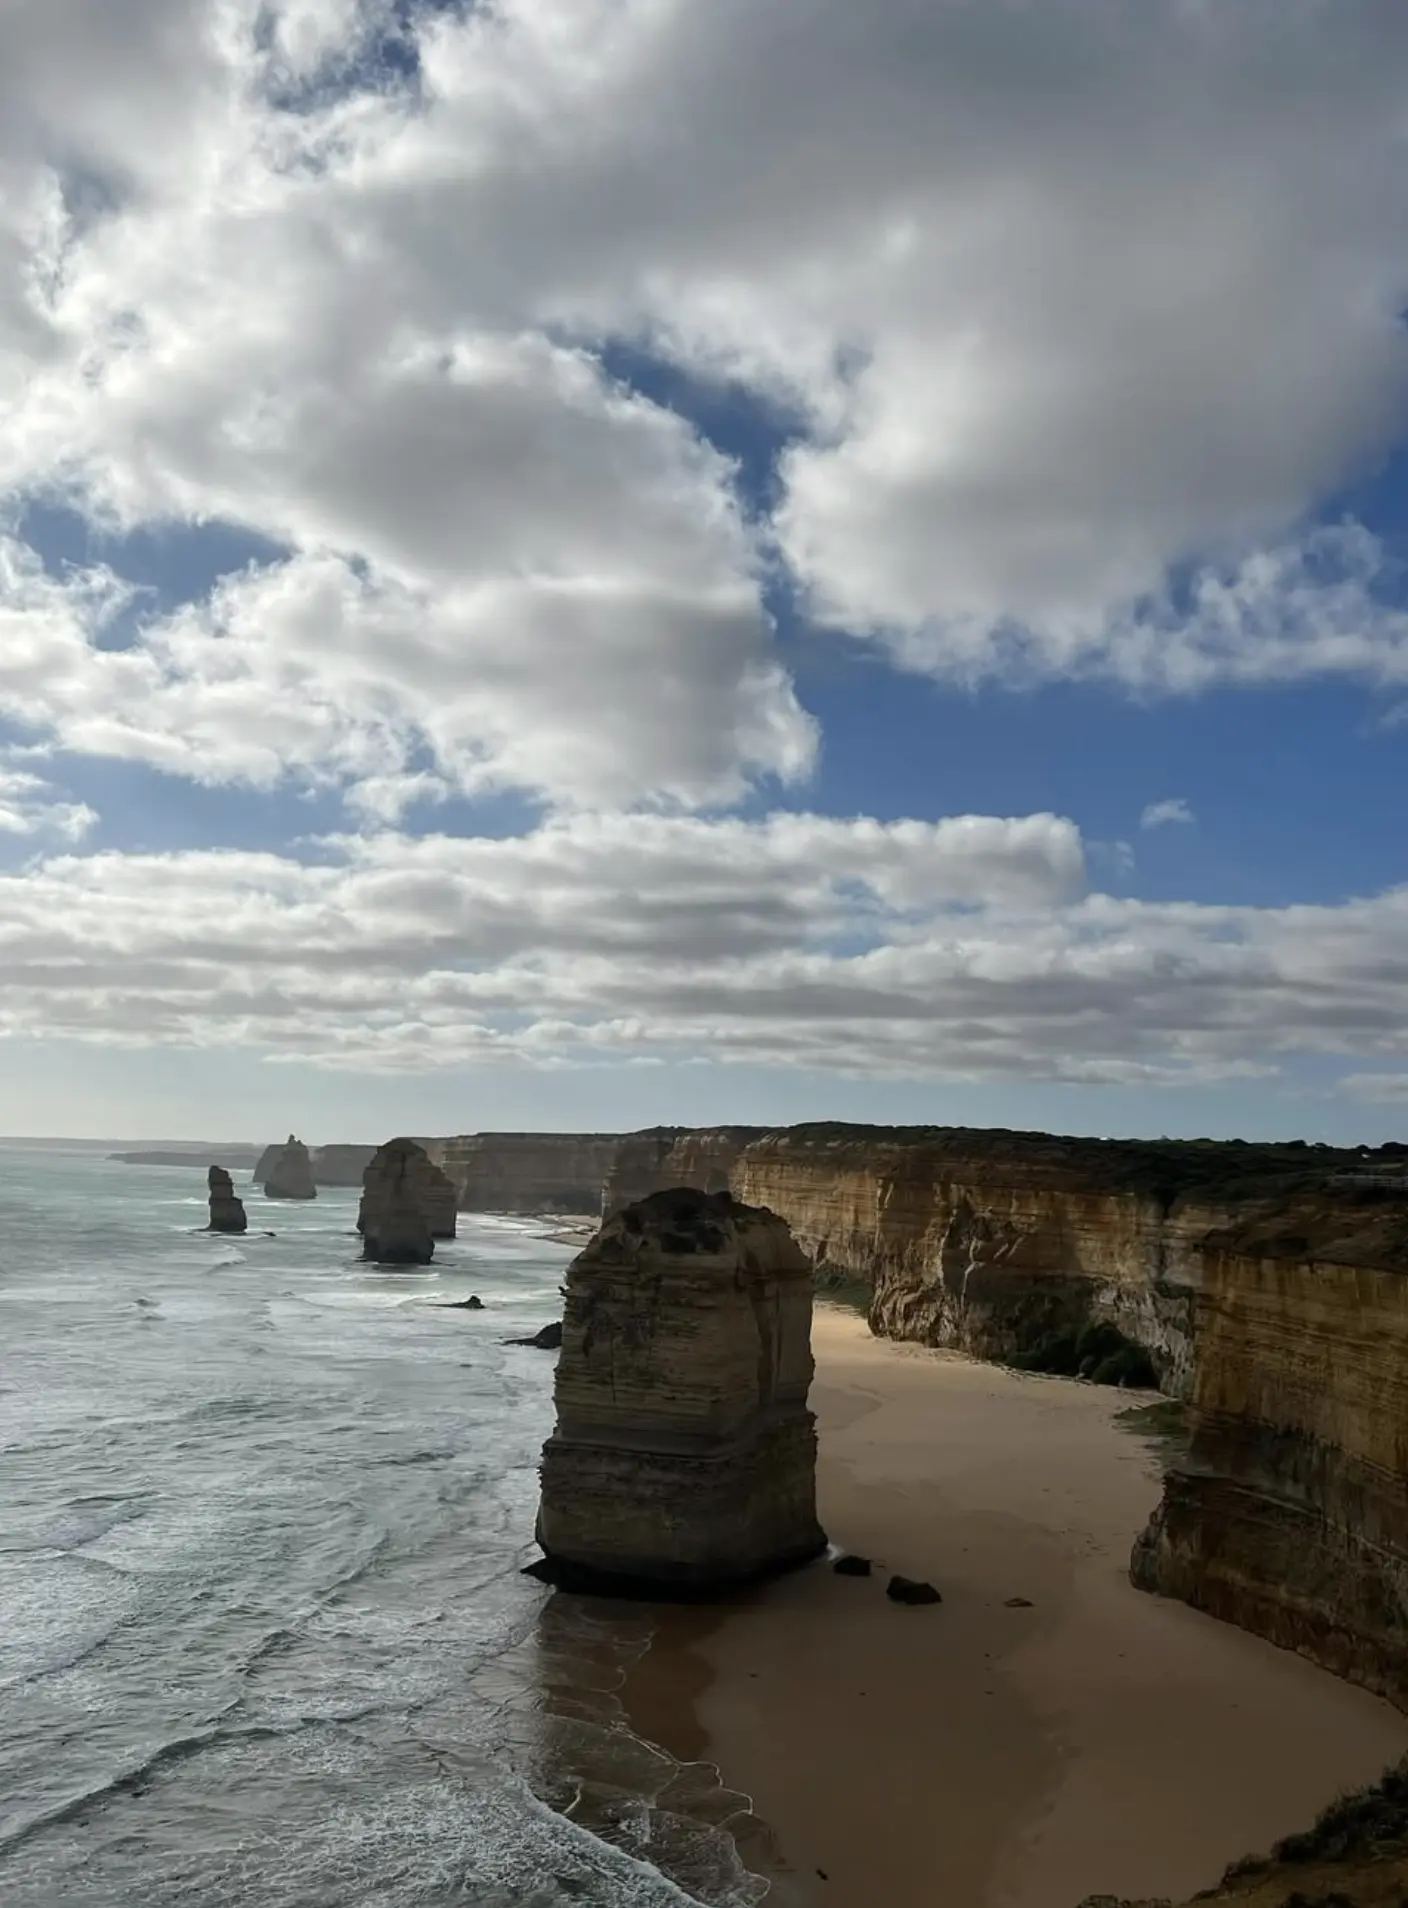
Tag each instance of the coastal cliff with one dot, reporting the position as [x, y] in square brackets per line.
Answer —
[527, 1172]
[1268, 1286]
[705, 1158]
[1290, 1515]
[684, 1454]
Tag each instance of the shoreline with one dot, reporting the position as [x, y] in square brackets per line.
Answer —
[1092, 1739]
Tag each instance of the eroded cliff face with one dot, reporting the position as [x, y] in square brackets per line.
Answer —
[705, 1158]
[684, 1454]
[989, 1243]
[527, 1172]
[1290, 1515]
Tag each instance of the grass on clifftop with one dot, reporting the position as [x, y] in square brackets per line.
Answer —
[1356, 1856]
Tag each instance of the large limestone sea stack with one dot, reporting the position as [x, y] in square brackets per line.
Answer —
[226, 1208]
[684, 1455]
[407, 1204]
[290, 1173]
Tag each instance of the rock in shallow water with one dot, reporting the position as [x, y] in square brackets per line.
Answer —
[684, 1455]
[227, 1212]
[290, 1173]
[548, 1339]
[393, 1220]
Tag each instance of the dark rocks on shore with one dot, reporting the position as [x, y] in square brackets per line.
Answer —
[852, 1566]
[548, 1339]
[911, 1590]
[227, 1212]
[290, 1173]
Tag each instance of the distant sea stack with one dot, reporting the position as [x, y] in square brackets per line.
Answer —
[289, 1175]
[337, 1165]
[226, 1210]
[684, 1455]
[407, 1203]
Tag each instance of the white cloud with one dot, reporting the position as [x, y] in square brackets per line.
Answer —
[30, 806]
[1173, 812]
[962, 950]
[1063, 301]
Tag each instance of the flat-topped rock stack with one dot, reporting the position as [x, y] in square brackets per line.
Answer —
[227, 1212]
[407, 1204]
[289, 1175]
[684, 1454]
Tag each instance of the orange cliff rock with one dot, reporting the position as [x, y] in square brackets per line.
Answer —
[1290, 1515]
[663, 1156]
[1269, 1285]
[684, 1455]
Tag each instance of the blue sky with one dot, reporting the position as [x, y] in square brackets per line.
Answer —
[459, 509]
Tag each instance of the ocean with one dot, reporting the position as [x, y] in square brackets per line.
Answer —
[263, 1512]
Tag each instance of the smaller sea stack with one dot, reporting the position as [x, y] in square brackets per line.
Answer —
[290, 1173]
[684, 1455]
[403, 1201]
[226, 1210]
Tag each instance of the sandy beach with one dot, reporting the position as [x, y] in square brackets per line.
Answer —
[980, 1754]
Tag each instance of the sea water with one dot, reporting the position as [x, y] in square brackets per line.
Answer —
[264, 1640]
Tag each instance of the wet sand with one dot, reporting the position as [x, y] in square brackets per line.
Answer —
[976, 1755]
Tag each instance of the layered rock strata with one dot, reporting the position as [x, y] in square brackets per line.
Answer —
[664, 1156]
[404, 1199]
[1290, 1515]
[227, 1212]
[527, 1172]
[684, 1454]
[289, 1175]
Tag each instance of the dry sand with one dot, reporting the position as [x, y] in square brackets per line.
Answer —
[973, 1755]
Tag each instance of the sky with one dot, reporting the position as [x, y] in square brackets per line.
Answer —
[573, 564]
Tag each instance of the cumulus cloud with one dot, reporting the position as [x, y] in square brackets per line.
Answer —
[1173, 812]
[966, 950]
[1063, 304]
[31, 806]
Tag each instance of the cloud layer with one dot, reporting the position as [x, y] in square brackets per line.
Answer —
[1069, 319]
[967, 949]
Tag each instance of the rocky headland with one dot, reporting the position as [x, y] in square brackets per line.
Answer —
[407, 1204]
[227, 1212]
[683, 1456]
[289, 1174]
